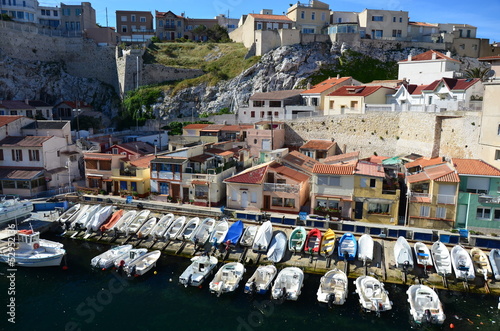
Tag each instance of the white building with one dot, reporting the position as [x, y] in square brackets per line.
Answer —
[427, 67]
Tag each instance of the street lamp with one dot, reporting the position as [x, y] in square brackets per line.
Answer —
[77, 111]
[68, 165]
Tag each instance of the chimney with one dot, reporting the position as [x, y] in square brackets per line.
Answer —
[433, 55]
[448, 54]
[338, 76]
[409, 57]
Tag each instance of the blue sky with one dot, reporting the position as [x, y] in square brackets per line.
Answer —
[482, 14]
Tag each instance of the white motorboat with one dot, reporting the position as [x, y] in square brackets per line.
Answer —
[31, 251]
[203, 232]
[189, 229]
[365, 248]
[69, 213]
[199, 270]
[480, 262]
[277, 248]
[442, 260]
[108, 258]
[175, 228]
[403, 255]
[494, 258]
[248, 236]
[147, 227]
[333, 288]
[219, 233]
[288, 284]
[263, 237]
[462, 263]
[68, 223]
[227, 278]
[137, 222]
[142, 264]
[261, 279]
[80, 222]
[99, 218]
[132, 254]
[425, 306]
[162, 225]
[11, 208]
[423, 255]
[123, 222]
[372, 295]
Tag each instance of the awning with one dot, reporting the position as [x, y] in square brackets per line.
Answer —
[107, 180]
[335, 197]
[94, 176]
[199, 182]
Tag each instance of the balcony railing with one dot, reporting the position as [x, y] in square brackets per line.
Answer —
[446, 199]
[488, 199]
[287, 188]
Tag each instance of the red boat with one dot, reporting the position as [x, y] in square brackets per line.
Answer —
[112, 221]
[313, 241]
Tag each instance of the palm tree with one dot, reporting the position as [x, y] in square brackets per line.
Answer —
[477, 72]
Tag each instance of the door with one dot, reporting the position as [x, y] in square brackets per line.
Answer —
[462, 215]
[358, 210]
[185, 194]
[266, 144]
[164, 188]
[176, 191]
[267, 202]
[115, 190]
[244, 199]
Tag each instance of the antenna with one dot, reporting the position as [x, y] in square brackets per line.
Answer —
[107, 25]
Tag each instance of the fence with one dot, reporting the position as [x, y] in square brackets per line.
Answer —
[34, 29]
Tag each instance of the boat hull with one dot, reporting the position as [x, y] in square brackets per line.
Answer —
[48, 261]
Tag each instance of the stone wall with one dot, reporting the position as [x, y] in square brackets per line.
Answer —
[157, 73]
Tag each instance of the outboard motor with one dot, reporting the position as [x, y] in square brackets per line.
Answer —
[253, 288]
[283, 293]
[331, 300]
[428, 316]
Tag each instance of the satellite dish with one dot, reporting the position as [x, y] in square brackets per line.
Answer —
[490, 73]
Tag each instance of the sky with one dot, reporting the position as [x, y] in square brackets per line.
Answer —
[482, 14]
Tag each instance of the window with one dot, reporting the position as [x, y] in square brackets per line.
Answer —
[274, 103]
[259, 26]
[332, 103]
[124, 28]
[290, 203]
[477, 185]
[396, 33]
[497, 154]
[34, 155]
[354, 105]
[253, 197]
[234, 195]
[285, 26]
[378, 208]
[132, 18]
[13, 112]
[394, 19]
[483, 213]
[496, 215]
[105, 165]
[17, 155]
[425, 211]
[9, 184]
[1, 154]
[440, 212]
[313, 16]
[258, 103]
[124, 18]
[430, 100]
[275, 201]
[56, 13]
[377, 34]
[323, 16]
[308, 30]
[78, 11]
[302, 14]
[142, 19]
[160, 23]
[114, 150]
[252, 114]
[123, 185]
[329, 180]
[377, 18]
[133, 186]
[201, 192]
[66, 12]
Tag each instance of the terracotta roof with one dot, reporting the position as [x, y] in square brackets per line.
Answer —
[318, 144]
[271, 17]
[418, 89]
[136, 147]
[376, 159]
[19, 172]
[427, 56]
[441, 173]
[213, 127]
[300, 160]
[161, 14]
[288, 172]
[214, 151]
[334, 169]
[353, 156]
[195, 126]
[276, 95]
[369, 169]
[15, 104]
[325, 85]
[143, 162]
[254, 175]
[453, 84]
[475, 167]
[102, 156]
[424, 162]
[434, 25]
[239, 127]
[6, 119]
[489, 58]
[170, 159]
[362, 91]
[28, 141]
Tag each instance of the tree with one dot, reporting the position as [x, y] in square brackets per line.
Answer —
[477, 72]
[200, 31]
[218, 34]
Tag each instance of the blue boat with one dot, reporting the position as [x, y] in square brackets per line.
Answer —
[348, 246]
[234, 233]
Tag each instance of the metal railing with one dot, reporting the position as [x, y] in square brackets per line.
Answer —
[446, 199]
[287, 188]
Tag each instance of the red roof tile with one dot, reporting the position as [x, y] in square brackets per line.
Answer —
[369, 169]
[334, 169]
[195, 126]
[423, 24]
[318, 144]
[271, 17]
[362, 91]
[424, 162]
[253, 175]
[427, 56]
[288, 172]
[300, 160]
[143, 162]
[453, 84]
[441, 173]
[6, 119]
[325, 85]
[353, 156]
[489, 58]
[213, 127]
[475, 167]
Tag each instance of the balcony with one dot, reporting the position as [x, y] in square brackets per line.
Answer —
[169, 27]
[287, 188]
[488, 199]
[420, 197]
[446, 199]
[128, 172]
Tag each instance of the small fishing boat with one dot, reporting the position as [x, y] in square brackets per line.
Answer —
[203, 231]
[297, 239]
[81, 220]
[69, 213]
[263, 237]
[142, 264]
[313, 241]
[189, 229]
[99, 218]
[442, 260]
[423, 255]
[147, 227]
[248, 236]
[107, 259]
[175, 228]
[137, 222]
[277, 248]
[162, 225]
[123, 222]
[68, 223]
[348, 247]
[403, 255]
[227, 278]
[328, 243]
[261, 279]
[372, 295]
[333, 288]
[288, 284]
[234, 233]
[219, 233]
[199, 270]
[462, 263]
[425, 306]
[480, 262]
[11, 208]
[110, 223]
[494, 257]
[123, 260]
[28, 250]
[365, 248]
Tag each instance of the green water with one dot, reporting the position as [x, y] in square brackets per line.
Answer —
[80, 298]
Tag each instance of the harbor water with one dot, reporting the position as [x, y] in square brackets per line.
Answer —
[80, 298]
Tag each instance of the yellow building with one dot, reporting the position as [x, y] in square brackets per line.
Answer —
[133, 177]
[311, 18]
[352, 99]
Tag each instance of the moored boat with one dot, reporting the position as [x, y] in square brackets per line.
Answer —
[277, 248]
[108, 225]
[248, 236]
[425, 306]
[365, 248]
[423, 255]
[288, 284]
[162, 225]
[263, 237]
[123, 222]
[403, 254]
[494, 258]
[313, 241]
[189, 229]
[297, 239]
[199, 269]
[333, 287]
[227, 278]
[137, 222]
[441, 258]
[69, 213]
[124, 259]
[372, 295]
[261, 279]
[348, 247]
[99, 218]
[80, 222]
[480, 262]
[12, 208]
[175, 228]
[107, 259]
[462, 263]
[234, 233]
[147, 227]
[142, 264]
[203, 231]
[68, 223]
[219, 233]
[328, 243]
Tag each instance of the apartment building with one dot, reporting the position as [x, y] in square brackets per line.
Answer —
[310, 18]
[134, 26]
